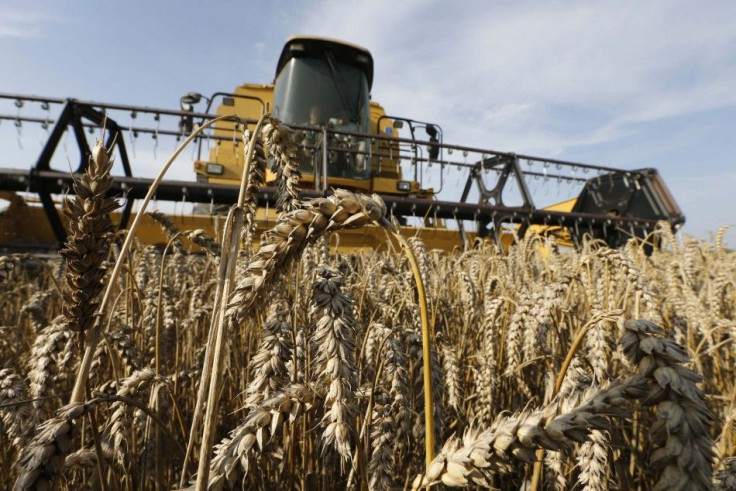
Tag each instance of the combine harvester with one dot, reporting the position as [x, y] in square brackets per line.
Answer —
[346, 140]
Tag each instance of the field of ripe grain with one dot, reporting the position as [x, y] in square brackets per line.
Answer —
[594, 369]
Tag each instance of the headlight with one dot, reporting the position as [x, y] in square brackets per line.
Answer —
[216, 169]
[403, 185]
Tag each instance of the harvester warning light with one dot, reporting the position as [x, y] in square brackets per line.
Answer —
[403, 186]
[388, 130]
[216, 169]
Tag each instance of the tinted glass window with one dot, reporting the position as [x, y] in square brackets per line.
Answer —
[308, 92]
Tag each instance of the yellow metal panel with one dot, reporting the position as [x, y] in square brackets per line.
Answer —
[562, 205]
[229, 152]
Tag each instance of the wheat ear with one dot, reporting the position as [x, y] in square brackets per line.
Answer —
[681, 437]
[260, 424]
[283, 151]
[292, 232]
[726, 477]
[268, 366]
[87, 243]
[15, 412]
[474, 459]
[334, 343]
[43, 458]
[80, 384]
[255, 178]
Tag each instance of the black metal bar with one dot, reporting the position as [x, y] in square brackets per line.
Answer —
[178, 134]
[75, 113]
[472, 175]
[135, 129]
[525, 194]
[56, 182]
[25, 119]
[32, 98]
[84, 151]
[419, 160]
[44, 159]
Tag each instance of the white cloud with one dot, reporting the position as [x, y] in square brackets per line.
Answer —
[21, 24]
[503, 72]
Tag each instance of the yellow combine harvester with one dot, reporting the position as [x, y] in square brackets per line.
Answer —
[346, 140]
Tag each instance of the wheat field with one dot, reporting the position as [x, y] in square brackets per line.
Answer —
[213, 364]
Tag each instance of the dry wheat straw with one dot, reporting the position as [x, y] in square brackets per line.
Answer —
[451, 368]
[592, 459]
[83, 458]
[255, 179]
[726, 477]
[694, 295]
[200, 237]
[293, 230]
[15, 411]
[268, 366]
[167, 226]
[381, 467]
[43, 362]
[117, 428]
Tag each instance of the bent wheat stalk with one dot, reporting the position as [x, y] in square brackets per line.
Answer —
[426, 349]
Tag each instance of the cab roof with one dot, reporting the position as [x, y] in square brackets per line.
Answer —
[314, 47]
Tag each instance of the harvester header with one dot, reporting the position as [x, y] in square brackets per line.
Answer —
[345, 140]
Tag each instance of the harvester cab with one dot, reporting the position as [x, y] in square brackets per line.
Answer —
[321, 90]
[326, 85]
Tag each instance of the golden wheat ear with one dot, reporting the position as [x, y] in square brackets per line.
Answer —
[86, 248]
[283, 151]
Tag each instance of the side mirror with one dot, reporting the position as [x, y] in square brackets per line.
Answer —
[398, 124]
[191, 98]
[186, 103]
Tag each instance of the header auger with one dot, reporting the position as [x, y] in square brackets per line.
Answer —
[322, 91]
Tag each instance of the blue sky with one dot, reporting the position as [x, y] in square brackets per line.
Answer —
[626, 84]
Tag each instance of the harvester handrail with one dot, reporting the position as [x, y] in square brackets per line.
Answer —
[113, 106]
[249, 121]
